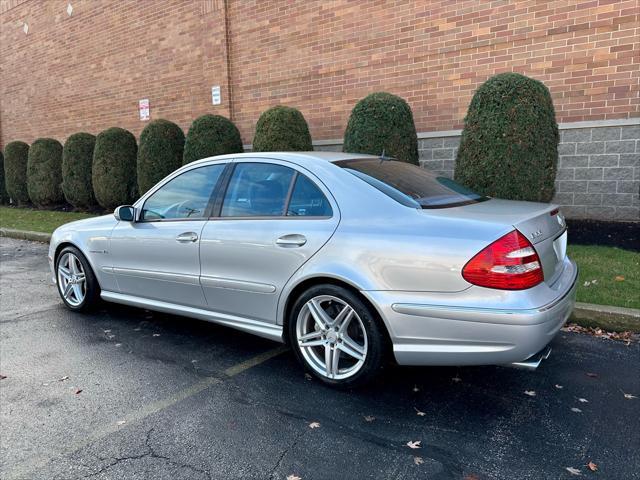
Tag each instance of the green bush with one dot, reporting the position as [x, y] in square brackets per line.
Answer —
[4, 196]
[282, 129]
[382, 122]
[509, 145]
[113, 172]
[15, 169]
[159, 153]
[211, 135]
[77, 158]
[44, 173]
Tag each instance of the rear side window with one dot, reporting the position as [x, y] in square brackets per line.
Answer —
[409, 184]
[308, 200]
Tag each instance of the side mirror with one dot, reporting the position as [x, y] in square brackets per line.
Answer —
[125, 213]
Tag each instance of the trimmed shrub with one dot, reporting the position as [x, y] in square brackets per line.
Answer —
[44, 173]
[113, 173]
[282, 129]
[15, 169]
[159, 153]
[211, 135]
[4, 196]
[77, 158]
[382, 122]
[509, 145]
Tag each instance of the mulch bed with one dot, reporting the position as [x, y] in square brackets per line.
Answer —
[612, 234]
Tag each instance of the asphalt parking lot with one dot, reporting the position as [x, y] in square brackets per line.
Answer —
[126, 393]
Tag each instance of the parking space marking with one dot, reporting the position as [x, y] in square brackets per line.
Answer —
[22, 470]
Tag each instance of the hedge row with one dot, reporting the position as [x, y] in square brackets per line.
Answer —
[508, 148]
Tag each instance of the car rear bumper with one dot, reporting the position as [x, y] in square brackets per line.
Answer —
[466, 329]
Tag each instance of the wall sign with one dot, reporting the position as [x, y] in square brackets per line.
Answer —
[143, 107]
[216, 98]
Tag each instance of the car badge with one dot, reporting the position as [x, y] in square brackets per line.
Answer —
[536, 234]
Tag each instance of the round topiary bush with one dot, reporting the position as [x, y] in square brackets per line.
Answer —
[282, 129]
[77, 158]
[4, 196]
[211, 135]
[382, 122]
[113, 174]
[509, 145]
[159, 153]
[15, 169]
[44, 172]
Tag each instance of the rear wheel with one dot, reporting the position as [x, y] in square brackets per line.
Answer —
[77, 285]
[336, 336]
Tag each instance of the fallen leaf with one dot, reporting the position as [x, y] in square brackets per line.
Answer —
[558, 386]
[592, 375]
[415, 444]
[576, 410]
[109, 336]
[63, 378]
[456, 379]
[107, 331]
[594, 281]
[137, 329]
[573, 471]
[471, 476]
[619, 278]
[415, 388]
[121, 422]
[78, 390]
[314, 425]
[156, 335]
[118, 344]
[420, 414]
[2, 377]
[293, 477]
[369, 418]
[628, 396]
[583, 400]
[531, 393]
[418, 460]
[592, 466]
[308, 376]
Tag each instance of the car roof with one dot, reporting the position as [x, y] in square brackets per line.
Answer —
[300, 158]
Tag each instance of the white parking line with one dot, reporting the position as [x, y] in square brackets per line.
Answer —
[23, 470]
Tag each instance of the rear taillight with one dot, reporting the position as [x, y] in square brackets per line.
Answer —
[509, 263]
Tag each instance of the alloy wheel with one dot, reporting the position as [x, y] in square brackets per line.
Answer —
[331, 337]
[71, 279]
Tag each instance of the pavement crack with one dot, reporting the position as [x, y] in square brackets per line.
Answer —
[295, 441]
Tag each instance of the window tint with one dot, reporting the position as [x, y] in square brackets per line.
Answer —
[409, 184]
[308, 200]
[186, 196]
[257, 190]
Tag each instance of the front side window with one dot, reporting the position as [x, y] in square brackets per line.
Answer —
[409, 184]
[185, 196]
[307, 200]
[257, 190]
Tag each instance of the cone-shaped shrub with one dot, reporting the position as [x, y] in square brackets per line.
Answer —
[113, 172]
[159, 153]
[15, 168]
[211, 135]
[4, 196]
[77, 158]
[509, 145]
[44, 173]
[382, 122]
[282, 129]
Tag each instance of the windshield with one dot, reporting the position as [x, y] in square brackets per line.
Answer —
[409, 184]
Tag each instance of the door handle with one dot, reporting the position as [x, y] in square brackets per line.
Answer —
[187, 237]
[292, 240]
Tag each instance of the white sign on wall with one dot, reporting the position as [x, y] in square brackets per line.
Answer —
[143, 107]
[216, 98]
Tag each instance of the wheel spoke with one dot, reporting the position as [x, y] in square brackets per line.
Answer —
[319, 315]
[77, 292]
[343, 319]
[66, 274]
[72, 264]
[67, 290]
[312, 339]
[331, 360]
[351, 348]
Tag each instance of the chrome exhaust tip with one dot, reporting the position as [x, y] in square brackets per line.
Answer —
[534, 360]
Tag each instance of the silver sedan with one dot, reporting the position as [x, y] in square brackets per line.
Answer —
[351, 259]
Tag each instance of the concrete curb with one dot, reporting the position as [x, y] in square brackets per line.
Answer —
[25, 235]
[607, 317]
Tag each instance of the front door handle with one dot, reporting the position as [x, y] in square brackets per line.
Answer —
[187, 237]
[292, 240]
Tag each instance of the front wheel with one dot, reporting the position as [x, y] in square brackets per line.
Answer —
[77, 285]
[336, 336]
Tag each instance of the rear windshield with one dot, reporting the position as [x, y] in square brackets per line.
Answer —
[409, 184]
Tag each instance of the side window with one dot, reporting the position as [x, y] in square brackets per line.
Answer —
[257, 190]
[184, 197]
[308, 200]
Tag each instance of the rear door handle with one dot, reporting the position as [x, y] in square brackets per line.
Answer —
[187, 237]
[291, 241]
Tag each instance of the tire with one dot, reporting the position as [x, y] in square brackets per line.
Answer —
[82, 296]
[359, 359]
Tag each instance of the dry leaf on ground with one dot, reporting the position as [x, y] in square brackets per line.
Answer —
[415, 388]
[420, 414]
[592, 375]
[293, 477]
[626, 337]
[2, 377]
[63, 378]
[78, 390]
[619, 278]
[573, 471]
[418, 460]
[592, 466]
[558, 386]
[583, 400]
[415, 444]
[369, 418]
[531, 393]
[314, 425]
[576, 410]
[628, 396]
